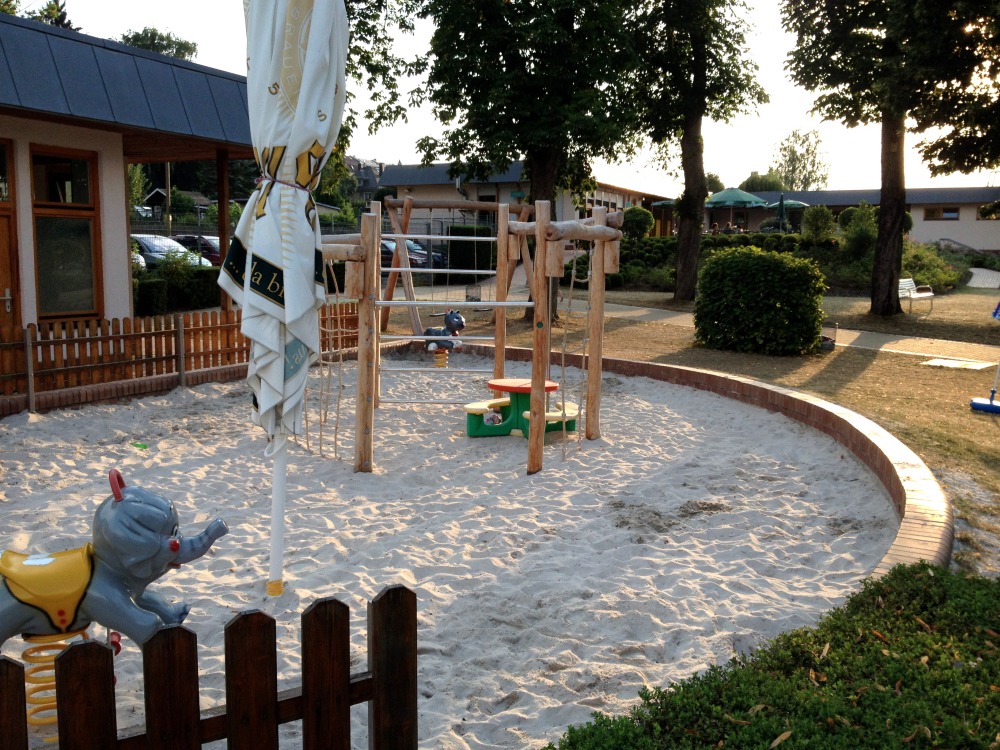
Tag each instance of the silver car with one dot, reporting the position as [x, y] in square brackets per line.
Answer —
[154, 248]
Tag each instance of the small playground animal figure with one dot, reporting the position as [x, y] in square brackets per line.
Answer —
[136, 540]
[453, 323]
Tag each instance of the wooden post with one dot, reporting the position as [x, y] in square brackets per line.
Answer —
[251, 682]
[179, 344]
[595, 321]
[13, 719]
[500, 313]
[222, 190]
[29, 362]
[367, 348]
[392, 659]
[326, 676]
[540, 341]
[85, 669]
[170, 678]
[401, 259]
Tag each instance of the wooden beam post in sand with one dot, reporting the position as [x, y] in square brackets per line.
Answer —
[500, 313]
[540, 341]
[367, 347]
[595, 325]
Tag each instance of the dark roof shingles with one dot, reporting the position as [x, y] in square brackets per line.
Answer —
[55, 71]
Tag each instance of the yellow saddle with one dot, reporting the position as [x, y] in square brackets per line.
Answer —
[54, 583]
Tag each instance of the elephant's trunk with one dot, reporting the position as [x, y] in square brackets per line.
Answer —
[191, 548]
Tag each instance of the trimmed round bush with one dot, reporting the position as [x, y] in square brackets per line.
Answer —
[761, 302]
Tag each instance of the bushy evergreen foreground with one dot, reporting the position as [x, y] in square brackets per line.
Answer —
[910, 661]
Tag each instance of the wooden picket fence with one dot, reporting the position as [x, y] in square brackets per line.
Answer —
[254, 708]
[93, 360]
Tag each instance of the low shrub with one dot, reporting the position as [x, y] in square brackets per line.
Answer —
[908, 661]
[150, 296]
[926, 265]
[751, 300]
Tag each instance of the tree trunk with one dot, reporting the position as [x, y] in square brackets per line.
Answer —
[892, 209]
[691, 209]
[544, 167]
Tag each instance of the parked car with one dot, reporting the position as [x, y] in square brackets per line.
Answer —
[207, 246]
[418, 259]
[417, 254]
[153, 248]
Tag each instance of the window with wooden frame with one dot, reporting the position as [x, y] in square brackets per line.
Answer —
[67, 233]
[941, 213]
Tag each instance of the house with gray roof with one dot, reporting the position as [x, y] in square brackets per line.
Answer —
[75, 110]
[431, 182]
[946, 215]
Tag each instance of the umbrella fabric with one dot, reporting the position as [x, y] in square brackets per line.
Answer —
[780, 215]
[789, 204]
[734, 198]
[297, 52]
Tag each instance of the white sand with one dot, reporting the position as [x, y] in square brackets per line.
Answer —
[696, 528]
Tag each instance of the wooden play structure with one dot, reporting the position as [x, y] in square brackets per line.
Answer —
[362, 282]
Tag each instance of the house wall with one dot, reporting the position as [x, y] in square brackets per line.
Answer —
[968, 229]
[116, 257]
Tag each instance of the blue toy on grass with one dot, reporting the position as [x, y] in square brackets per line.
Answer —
[453, 323]
[988, 404]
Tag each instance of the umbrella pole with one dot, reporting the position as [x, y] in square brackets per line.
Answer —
[275, 584]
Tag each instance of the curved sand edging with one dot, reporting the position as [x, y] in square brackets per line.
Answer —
[927, 522]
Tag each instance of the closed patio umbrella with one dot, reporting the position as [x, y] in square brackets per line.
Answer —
[296, 57]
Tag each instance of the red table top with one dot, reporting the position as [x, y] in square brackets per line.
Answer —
[519, 385]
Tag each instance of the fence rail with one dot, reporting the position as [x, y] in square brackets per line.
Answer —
[254, 709]
[73, 362]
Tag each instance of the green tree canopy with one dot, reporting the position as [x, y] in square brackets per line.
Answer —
[52, 13]
[695, 66]
[883, 61]
[757, 182]
[967, 109]
[10, 7]
[533, 79]
[714, 183]
[163, 42]
[637, 222]
[799, 163]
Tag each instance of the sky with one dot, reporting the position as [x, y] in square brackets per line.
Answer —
[749, 143]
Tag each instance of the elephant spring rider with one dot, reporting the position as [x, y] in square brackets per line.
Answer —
[136, 540]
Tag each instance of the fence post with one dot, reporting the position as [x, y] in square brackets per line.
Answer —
[326, 676]
[85, 695]
[251, 682]
[30, 367]
[392, 659]
[170, 678]
[179, 338]
[13, 717]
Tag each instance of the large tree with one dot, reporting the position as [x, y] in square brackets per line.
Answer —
[537, 80]
[967, 115]
[54, 14]
[165, 43]
[883, 61]
[800, 164]
[758, 183]
[374, 63]
[10, 7]
[695, 67]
